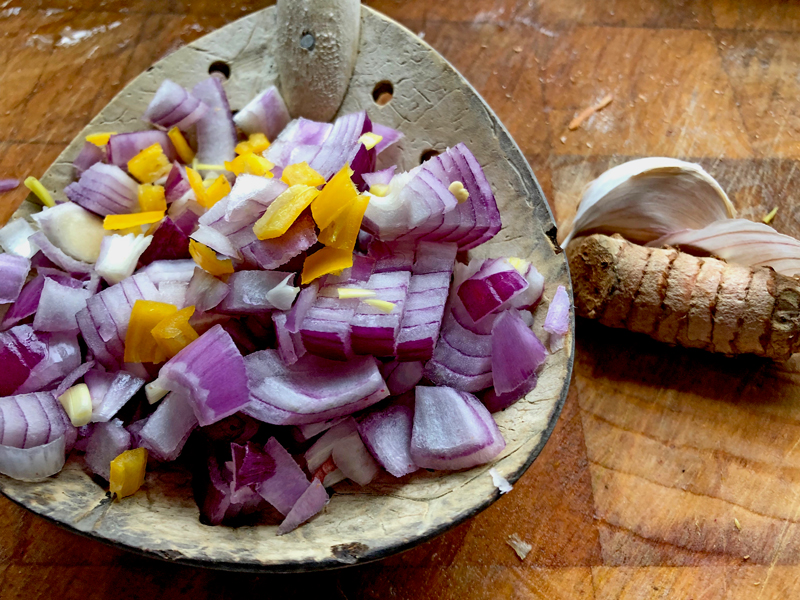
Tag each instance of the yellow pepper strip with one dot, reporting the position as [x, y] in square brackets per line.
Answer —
[197, 166]
[152, 197]
[370, 140]
[301, 173]
[381, 305]
[342, 233]
[520, 264]
[284, 211]
[196, 183]
[336, 196]
[355, 293]
[325, 261]
[100, 139]
[182, 147]
[207, 259]
[150, 164]
[252, 164]
[257, 142]
[77, 403]
[215, 192]
[39, 191]
[174, 333]
[133, 220]
[127, 472]
[379, 189]
[140, 345]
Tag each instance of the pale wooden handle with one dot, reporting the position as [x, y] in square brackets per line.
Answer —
[317, 48]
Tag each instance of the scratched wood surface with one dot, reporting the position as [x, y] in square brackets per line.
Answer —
[659, 452]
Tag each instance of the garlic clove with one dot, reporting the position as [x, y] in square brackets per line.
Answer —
[739, 241]
[647, 198]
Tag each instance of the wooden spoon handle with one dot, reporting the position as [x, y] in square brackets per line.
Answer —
[318, 44]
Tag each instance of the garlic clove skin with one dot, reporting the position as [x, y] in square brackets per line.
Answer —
[741, 242]
[648, 198]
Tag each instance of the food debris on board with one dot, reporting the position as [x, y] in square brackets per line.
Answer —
[589, 111]
[521, 548]
[500, 482]
[229, 275]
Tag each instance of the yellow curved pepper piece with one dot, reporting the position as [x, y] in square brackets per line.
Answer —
[132, 220]
[301, 173]
[370, 140]
[257, 142]
[325, 261]
[381, 305]
[335, 197]
[140, 345]
[39, 191]
[152, 197]
[379, 189]
[207, 259]
[174, 333]
[252, 164]
[127, 472]
[182, 147]
[284, 211]
[100, 139]
[215, 192]
[196, 183]
[342, 233]
[150, 164]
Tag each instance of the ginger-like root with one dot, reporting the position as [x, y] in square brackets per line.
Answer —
[682, 299]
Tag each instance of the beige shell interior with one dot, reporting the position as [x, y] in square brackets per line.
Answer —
[435, 107]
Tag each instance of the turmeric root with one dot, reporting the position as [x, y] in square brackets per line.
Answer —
[682, 299]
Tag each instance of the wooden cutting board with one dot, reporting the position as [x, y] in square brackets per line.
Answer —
[671, 474]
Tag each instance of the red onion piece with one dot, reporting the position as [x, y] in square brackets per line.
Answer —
[160, 271]
[92, 339]
[290, 345]
[177, 184]
[354, 460]
[387, 434]
[13, 272]
[422, 318]
[28, 420]
[390, 136]
[491, 289]
[33, 464]
[462, 358]
[6, 185]
[249, 291]
[307, 431]
[322, 449]
[212, 492]
[89, 155]
[107, 441]
[298, 142]
[342, 146]
[533, 293]
[124, 146]
[266, 113]
[305, 300]
[392, 256]
[20, 351]
[105, 190]
[205, 291]
[372, 330]
[73, 377]
[58, 306]
[122, 387]
[311, 390]
[557, 321]
[517, 355]
[168, 429]
[15, 238]
[287, 484]
[452, 430]
[62, 356]
[26, 303]
[401, 377]
[216, 132]
[169, 243]
[383, 177]
[211, 373]
[309, 504]
[173, 106]
[271, 254]
[250, 465]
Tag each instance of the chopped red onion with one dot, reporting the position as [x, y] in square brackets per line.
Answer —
[58, 306]
[15, 238]
[160, 271]
[174, 292]
[286, 485]
[106, 442]
[435, 257]
[271, 254]
[58, 257]
[309, 504]
[401, 377]
[177, 184]
[73, 377]
[491, 289]
[422, 318]
[62, 356]
[557, 321]
[173, 106]
[387, 434]
[462, 358]
[517, 356]
[372, 330]
[307, 431]
[305, 300]
[212, 493]
[299, 141]
[26, 303]
[211, 373]
[20, 351]
[89, 155]
[354, 460]
[94, 342]
[250, 465]
[534, 291]
[290, 345]
[124, 146]
[122, 387]
[322, 449]
[311, 390]
[452, 430]
[250, 290]
[6, 185]
[383, 177]
[215, 240]
[392, 256]
[105, 190]
[28, 420]
[216, 132]
[205, 291]
[168, 242]
[13, 272]
[119, 255]
[168, 429]
[390, 136]
[266, 113]
[33, 464]
[342, 146]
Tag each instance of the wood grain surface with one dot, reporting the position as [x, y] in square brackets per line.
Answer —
[672, 473]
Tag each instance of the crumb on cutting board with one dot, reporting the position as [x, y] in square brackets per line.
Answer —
[520, 547]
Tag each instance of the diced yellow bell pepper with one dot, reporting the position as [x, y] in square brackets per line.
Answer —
[257, 142]
[196, 183]
[132, 220]
[370, 140]
[284, 211]
[152, 197]
[342, 233]
[127, 472]
[174, 333]
[39, 191]
[325, 261]
[335, 198]
[140, 345]
[182, 147]
[100, 139]
[207, 259]
[301, 173]
[215, 192]
[150, 164]
[252, 164]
